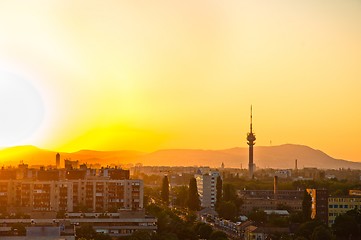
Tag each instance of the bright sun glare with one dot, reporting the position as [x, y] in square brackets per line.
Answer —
[21, 110]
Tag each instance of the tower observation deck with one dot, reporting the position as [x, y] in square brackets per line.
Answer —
[251, 138]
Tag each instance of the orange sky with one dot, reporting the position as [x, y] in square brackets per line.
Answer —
[146, 75]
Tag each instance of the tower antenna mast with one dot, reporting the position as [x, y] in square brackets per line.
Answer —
[251, 120]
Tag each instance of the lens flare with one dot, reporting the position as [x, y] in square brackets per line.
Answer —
[21, 109]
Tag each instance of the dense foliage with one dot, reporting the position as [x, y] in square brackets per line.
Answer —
[306, 205]
[165, 190]
[193, 201]
[219, 191]
[348, 226]
[87, 232]
[229, 204]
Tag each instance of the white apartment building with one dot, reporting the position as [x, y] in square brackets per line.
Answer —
[206, 185]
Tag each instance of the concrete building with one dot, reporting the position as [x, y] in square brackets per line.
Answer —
[340, 205]
[291, 199]
[319, 204]
[271, 199]
[206, 185]
[52, 203]
[284, 173]
[120, 224]
[71, 195]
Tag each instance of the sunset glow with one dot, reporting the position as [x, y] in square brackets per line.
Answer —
[147, 75]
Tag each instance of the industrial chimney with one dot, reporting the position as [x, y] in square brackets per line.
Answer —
[275, 186]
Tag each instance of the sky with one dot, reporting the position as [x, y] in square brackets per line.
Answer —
[148, 75]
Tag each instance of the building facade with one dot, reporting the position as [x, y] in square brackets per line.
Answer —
[319, 204]
[206, 185]
[115, 224]
[340, 205]
[270, 200]
[97, 194]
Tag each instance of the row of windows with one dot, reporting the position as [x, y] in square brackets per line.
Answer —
[344, 200]
[338, 206]
[334, 214]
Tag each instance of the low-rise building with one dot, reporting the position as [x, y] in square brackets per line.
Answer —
[270, 200]
[114, 224]
[340, 205]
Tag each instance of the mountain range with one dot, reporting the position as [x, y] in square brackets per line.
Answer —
[282, 157]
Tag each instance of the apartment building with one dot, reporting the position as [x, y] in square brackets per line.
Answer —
[206, 185]
[270, 200]
[84, 189]
[72, 195]
[319, 204]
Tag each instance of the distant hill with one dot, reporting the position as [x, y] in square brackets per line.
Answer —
[36, 156]
[282, 156]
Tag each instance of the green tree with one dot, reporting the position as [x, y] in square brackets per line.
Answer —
[306, 229]
[258, 216]
[227, 210]
[165, 236]
[277, 220]
[218, 235]
[321, 233]
[190, 218]
[102, 236]
[171, 223]
[301, 238]
[230, 195]
[307, 206]
[346, 226]
[180, 196]
[165, 190]
[193, 202]
[203, 230]
[141, 235]
[219, 189]
[296, 217]
[229, 192]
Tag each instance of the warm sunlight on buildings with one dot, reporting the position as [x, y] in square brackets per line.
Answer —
[164, 74]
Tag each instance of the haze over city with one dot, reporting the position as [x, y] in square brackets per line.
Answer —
[113, 75]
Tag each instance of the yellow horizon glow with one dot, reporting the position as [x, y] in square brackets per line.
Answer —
[182, 74]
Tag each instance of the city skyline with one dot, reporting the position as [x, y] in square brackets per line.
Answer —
[145, 76]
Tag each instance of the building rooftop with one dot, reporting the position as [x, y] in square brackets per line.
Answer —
[277, 212]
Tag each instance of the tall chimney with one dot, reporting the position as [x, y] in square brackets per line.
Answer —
[57, 160]
[275, 186]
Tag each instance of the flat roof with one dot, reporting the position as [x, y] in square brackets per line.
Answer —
[79, 220]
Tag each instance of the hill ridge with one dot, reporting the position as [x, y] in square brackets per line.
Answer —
[279, 156]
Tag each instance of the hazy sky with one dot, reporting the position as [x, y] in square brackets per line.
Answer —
[146, 75]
